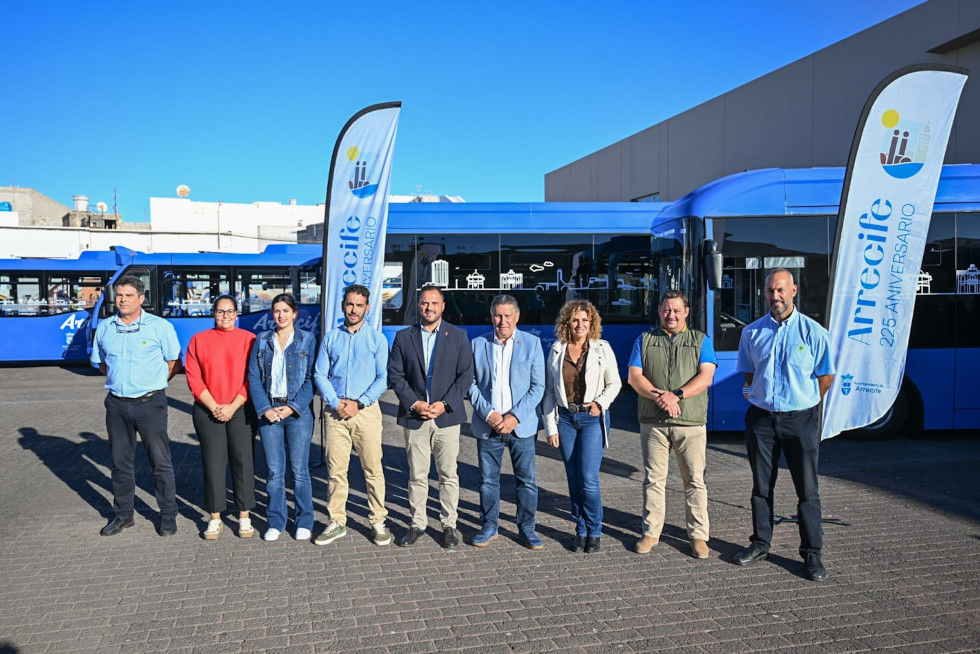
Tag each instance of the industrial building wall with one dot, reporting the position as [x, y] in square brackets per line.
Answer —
[33, 208]
[799, 116]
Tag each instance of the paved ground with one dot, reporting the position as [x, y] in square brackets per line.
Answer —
[904, 560]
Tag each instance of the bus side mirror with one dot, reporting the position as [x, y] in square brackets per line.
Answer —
[712, 264]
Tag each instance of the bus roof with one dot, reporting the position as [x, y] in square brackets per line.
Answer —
[94, 260]
[522, 217]
[806, 191]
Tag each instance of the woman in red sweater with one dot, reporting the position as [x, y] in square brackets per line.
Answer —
[224, 419]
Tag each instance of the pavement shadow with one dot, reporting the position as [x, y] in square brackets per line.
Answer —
[83, 465]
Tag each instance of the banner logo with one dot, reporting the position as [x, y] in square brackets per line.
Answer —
[359, 185]
[845, 384]
[905, 145]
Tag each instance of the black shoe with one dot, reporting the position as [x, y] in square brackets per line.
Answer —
[813, 568]
[578, 544]
[409, 537]
[450, 538]
[168, 525]
[592, 544]
[116, 526]
[751, 554]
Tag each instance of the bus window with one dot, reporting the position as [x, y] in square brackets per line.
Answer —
[754, 246]
[258, 287]
[968, 283]
[466, 267]
[674, 247]
[20, 295]
[73, 292]
[309, 285]
[392, 280]
[544, 271]
[400, 272]
[189, 292]
[623, 284]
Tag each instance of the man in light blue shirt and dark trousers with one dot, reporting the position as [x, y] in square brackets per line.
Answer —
[785, 357]
[351, 374]
[138, 352]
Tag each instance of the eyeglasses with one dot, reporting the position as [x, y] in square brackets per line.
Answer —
[131, 328]
[226, 312]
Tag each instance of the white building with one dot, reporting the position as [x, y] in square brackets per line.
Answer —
[176, 225]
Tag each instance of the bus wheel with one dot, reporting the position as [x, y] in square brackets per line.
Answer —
[903, 419]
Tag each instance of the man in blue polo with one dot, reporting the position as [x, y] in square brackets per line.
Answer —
[138, 352]
[785, 357]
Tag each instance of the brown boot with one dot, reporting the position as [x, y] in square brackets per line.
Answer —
[699, 548]
[645, 544]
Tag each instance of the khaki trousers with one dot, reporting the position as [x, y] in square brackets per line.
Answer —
[363, 434]
[689, 443]
[421, 444]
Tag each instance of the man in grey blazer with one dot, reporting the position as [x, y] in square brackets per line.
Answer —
[430, 368]
[508, 386]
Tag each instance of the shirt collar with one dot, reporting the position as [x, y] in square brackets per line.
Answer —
[139, 320]
[790, 320]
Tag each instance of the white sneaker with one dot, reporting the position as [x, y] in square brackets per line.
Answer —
[303, 534]
[245, 529]
[271, 534]
[215, 527]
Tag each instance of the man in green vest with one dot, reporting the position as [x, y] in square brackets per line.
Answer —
[670, 369]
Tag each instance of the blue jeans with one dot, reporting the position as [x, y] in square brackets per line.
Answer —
[522, 452]
[581, 444]
[293, 434]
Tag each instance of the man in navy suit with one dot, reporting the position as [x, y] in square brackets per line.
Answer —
[430, 369]
[509, 385]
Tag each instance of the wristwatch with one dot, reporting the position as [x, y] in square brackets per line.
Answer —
[360, 405]
[679, 393]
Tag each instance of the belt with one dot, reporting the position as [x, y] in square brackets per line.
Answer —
[578, 408]
[279, 400]
[141, 398]
[784, 413]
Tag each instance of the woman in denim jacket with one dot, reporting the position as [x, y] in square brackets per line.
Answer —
[280, 380]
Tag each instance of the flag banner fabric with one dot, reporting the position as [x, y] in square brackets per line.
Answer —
[357, 210]
[886, 205]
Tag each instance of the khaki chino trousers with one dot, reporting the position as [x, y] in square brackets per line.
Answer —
[363, 434]
[689, 444]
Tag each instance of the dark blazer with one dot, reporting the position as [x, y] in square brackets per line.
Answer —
[452, 373]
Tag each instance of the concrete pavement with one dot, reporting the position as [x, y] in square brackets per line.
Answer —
[903, 552]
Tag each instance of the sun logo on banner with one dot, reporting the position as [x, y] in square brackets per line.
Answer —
[359, 185]
[904, 146]
[845, 384]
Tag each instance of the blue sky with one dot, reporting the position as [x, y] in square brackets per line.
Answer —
[242, 101]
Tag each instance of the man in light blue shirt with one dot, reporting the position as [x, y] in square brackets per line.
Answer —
[138, 352]
[785, 357]
[351, 374]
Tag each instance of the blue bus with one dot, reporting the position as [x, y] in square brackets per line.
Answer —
[774, 218]
[542, 253]
[46, 304]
